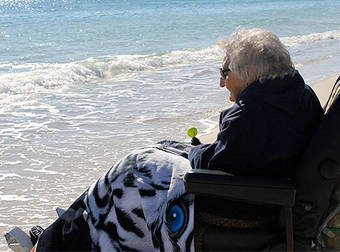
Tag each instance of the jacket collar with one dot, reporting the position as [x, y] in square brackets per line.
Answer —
[273, 86]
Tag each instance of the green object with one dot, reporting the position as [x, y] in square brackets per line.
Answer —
[192, 132]
[334, 229]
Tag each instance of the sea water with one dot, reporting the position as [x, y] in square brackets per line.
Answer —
[83, 82]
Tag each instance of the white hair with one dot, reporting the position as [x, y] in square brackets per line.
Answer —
[256, 54]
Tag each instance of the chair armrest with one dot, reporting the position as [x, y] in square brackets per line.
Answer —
[216, 183]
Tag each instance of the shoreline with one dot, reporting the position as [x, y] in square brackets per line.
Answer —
[322, 90]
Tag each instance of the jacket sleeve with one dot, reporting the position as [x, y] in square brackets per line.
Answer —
[228, 152]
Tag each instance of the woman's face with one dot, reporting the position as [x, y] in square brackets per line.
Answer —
[234, 84]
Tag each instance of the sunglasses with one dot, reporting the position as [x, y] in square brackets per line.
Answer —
[224, 72]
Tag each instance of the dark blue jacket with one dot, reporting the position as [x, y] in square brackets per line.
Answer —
[265, 131]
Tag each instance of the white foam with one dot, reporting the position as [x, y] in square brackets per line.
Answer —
[295, 41]
[13, 197]
[37, 77]
[45, 171]
[32, 78]
[4, 176]
[4, 34]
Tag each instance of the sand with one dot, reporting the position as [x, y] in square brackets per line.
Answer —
[322, 90]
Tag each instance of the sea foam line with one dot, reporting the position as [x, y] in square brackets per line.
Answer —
[35, 77]
[295, 41]
[5, 176]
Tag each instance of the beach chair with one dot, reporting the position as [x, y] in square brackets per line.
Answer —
[304, 203]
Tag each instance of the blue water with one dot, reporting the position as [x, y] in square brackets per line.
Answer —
[84, 82]
[64, 31]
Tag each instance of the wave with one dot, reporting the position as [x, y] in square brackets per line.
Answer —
[32, 77]
[296, 41]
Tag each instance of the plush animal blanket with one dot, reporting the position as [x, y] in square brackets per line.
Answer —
[140, 204]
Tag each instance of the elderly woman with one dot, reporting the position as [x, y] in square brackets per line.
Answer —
[274, 115]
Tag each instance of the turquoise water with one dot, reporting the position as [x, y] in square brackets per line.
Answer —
[67, 31]
[84, 82]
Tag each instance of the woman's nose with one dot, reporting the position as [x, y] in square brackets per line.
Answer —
[222, 82]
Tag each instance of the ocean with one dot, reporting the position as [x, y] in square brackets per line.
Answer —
[83, 82]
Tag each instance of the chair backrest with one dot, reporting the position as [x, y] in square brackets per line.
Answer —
[319, 171]
[334, 94]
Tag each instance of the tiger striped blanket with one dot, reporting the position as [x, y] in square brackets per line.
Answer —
[140, 204]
